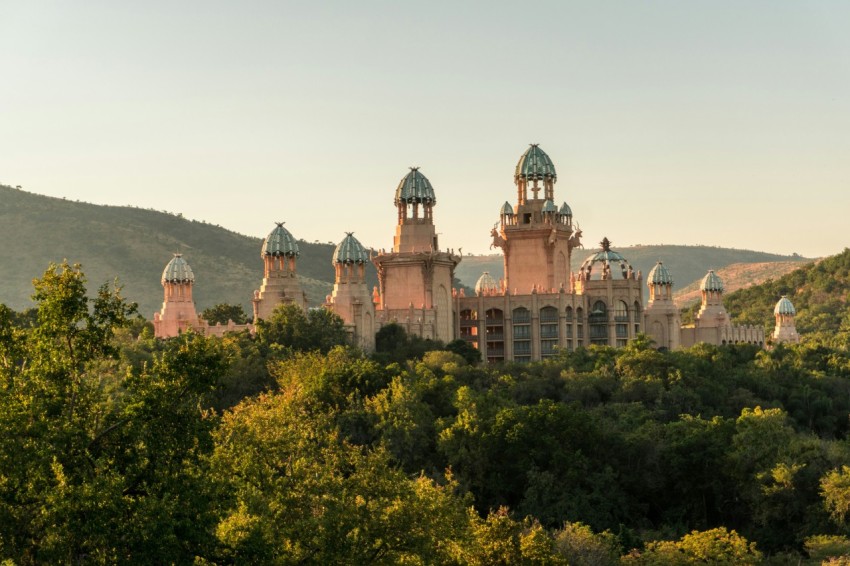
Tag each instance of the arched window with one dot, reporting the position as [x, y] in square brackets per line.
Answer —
[621, 329]
[580, 325]
[548, 331]
[495, 334]
[598, 320]
[522, 334]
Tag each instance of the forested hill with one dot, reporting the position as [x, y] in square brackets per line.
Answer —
[134, 245]
[819, 291]
[686, 263]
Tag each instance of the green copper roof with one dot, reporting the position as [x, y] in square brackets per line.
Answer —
[178, 271]
[784, 306]
[659, 275]
[549, 206]
[415, 188]
[535, 164]
[280, 242]
[605, 255]
[486, 283]
[711, 282]
[507, 208]
[350, 250]
[566, 210]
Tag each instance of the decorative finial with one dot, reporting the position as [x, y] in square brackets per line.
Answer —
[606, 244]
[349, 233]
[280, 224]
[416, 168]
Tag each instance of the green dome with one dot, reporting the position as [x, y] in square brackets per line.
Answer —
[486, 283]
[350, 250]
[711, 282]
[415, 188]
[549, 206]
[565, 210]
[534, 164]
[507, 208]
[607, 256]
[280, 242]
[178, 271]
[659, 275]
[784, 306]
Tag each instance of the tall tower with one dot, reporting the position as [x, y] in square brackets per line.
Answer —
[536, 237]
[785, 330]
[712, 313]
[351, 299]
[661, 316]
[178, 308]
[280, 277]
[416, 277]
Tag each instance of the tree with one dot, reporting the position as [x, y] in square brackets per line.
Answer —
[289, 328]
[223, 313]
[717, 547]
[835, 490]
[104, 457]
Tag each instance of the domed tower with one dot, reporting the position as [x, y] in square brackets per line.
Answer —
[712, 313]
[415, 200]
[785, 330]
[178, 307]
[535, 236]
[661, 316]
[351, 299]
[611, 291]
[416, 277]
[280, 277]
[486, 285]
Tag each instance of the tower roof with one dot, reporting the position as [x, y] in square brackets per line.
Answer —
[549, 206]
[507, 208]
[415, 188]
[607, 256]
[280, 242]
[350, 250]
[785, 306]
[565, 210]
[534, 164]
[659, 275]
[178, 271]
[711, 282]
[485, 283]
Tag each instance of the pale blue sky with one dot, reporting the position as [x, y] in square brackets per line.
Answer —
[716, 123]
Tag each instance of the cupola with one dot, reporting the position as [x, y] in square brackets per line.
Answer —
[486, 285]
[606, 261]
[785, 307]
[280, 242]
[711, 283]
[659, 275]
[350, 250]
[415, 188]
[535, 165]
[178, 271]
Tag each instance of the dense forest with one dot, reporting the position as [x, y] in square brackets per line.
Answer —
[290, 447]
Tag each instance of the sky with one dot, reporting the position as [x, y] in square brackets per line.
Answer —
[707, 123]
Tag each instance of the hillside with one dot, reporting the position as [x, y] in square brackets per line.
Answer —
[820, 292]
[686, 263]
[738, 276]
[134, 245]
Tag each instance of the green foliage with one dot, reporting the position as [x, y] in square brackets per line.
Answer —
[290, 329]
[224, 313]
[393, 344]
[716, 546]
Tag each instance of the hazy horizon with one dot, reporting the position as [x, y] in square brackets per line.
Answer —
[721, 124]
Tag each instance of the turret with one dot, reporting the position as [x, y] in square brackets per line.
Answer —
[280, 278]
[534, 171]
[178, 307]
[415, 200]
[351, 299]
[712, 313]
[661, 316]
[785, 330]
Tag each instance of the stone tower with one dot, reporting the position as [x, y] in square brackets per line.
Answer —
[536, 236]
[416, 277]
[712, 313]
[785, 330]
[178, 307]
[351, 299]
[661, 316]
[280, 278]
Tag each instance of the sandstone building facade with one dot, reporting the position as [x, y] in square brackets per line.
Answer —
[538, 308]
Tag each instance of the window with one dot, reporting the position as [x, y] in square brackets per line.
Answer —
[598, 320]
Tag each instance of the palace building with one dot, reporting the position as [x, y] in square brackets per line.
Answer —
[539, 307]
